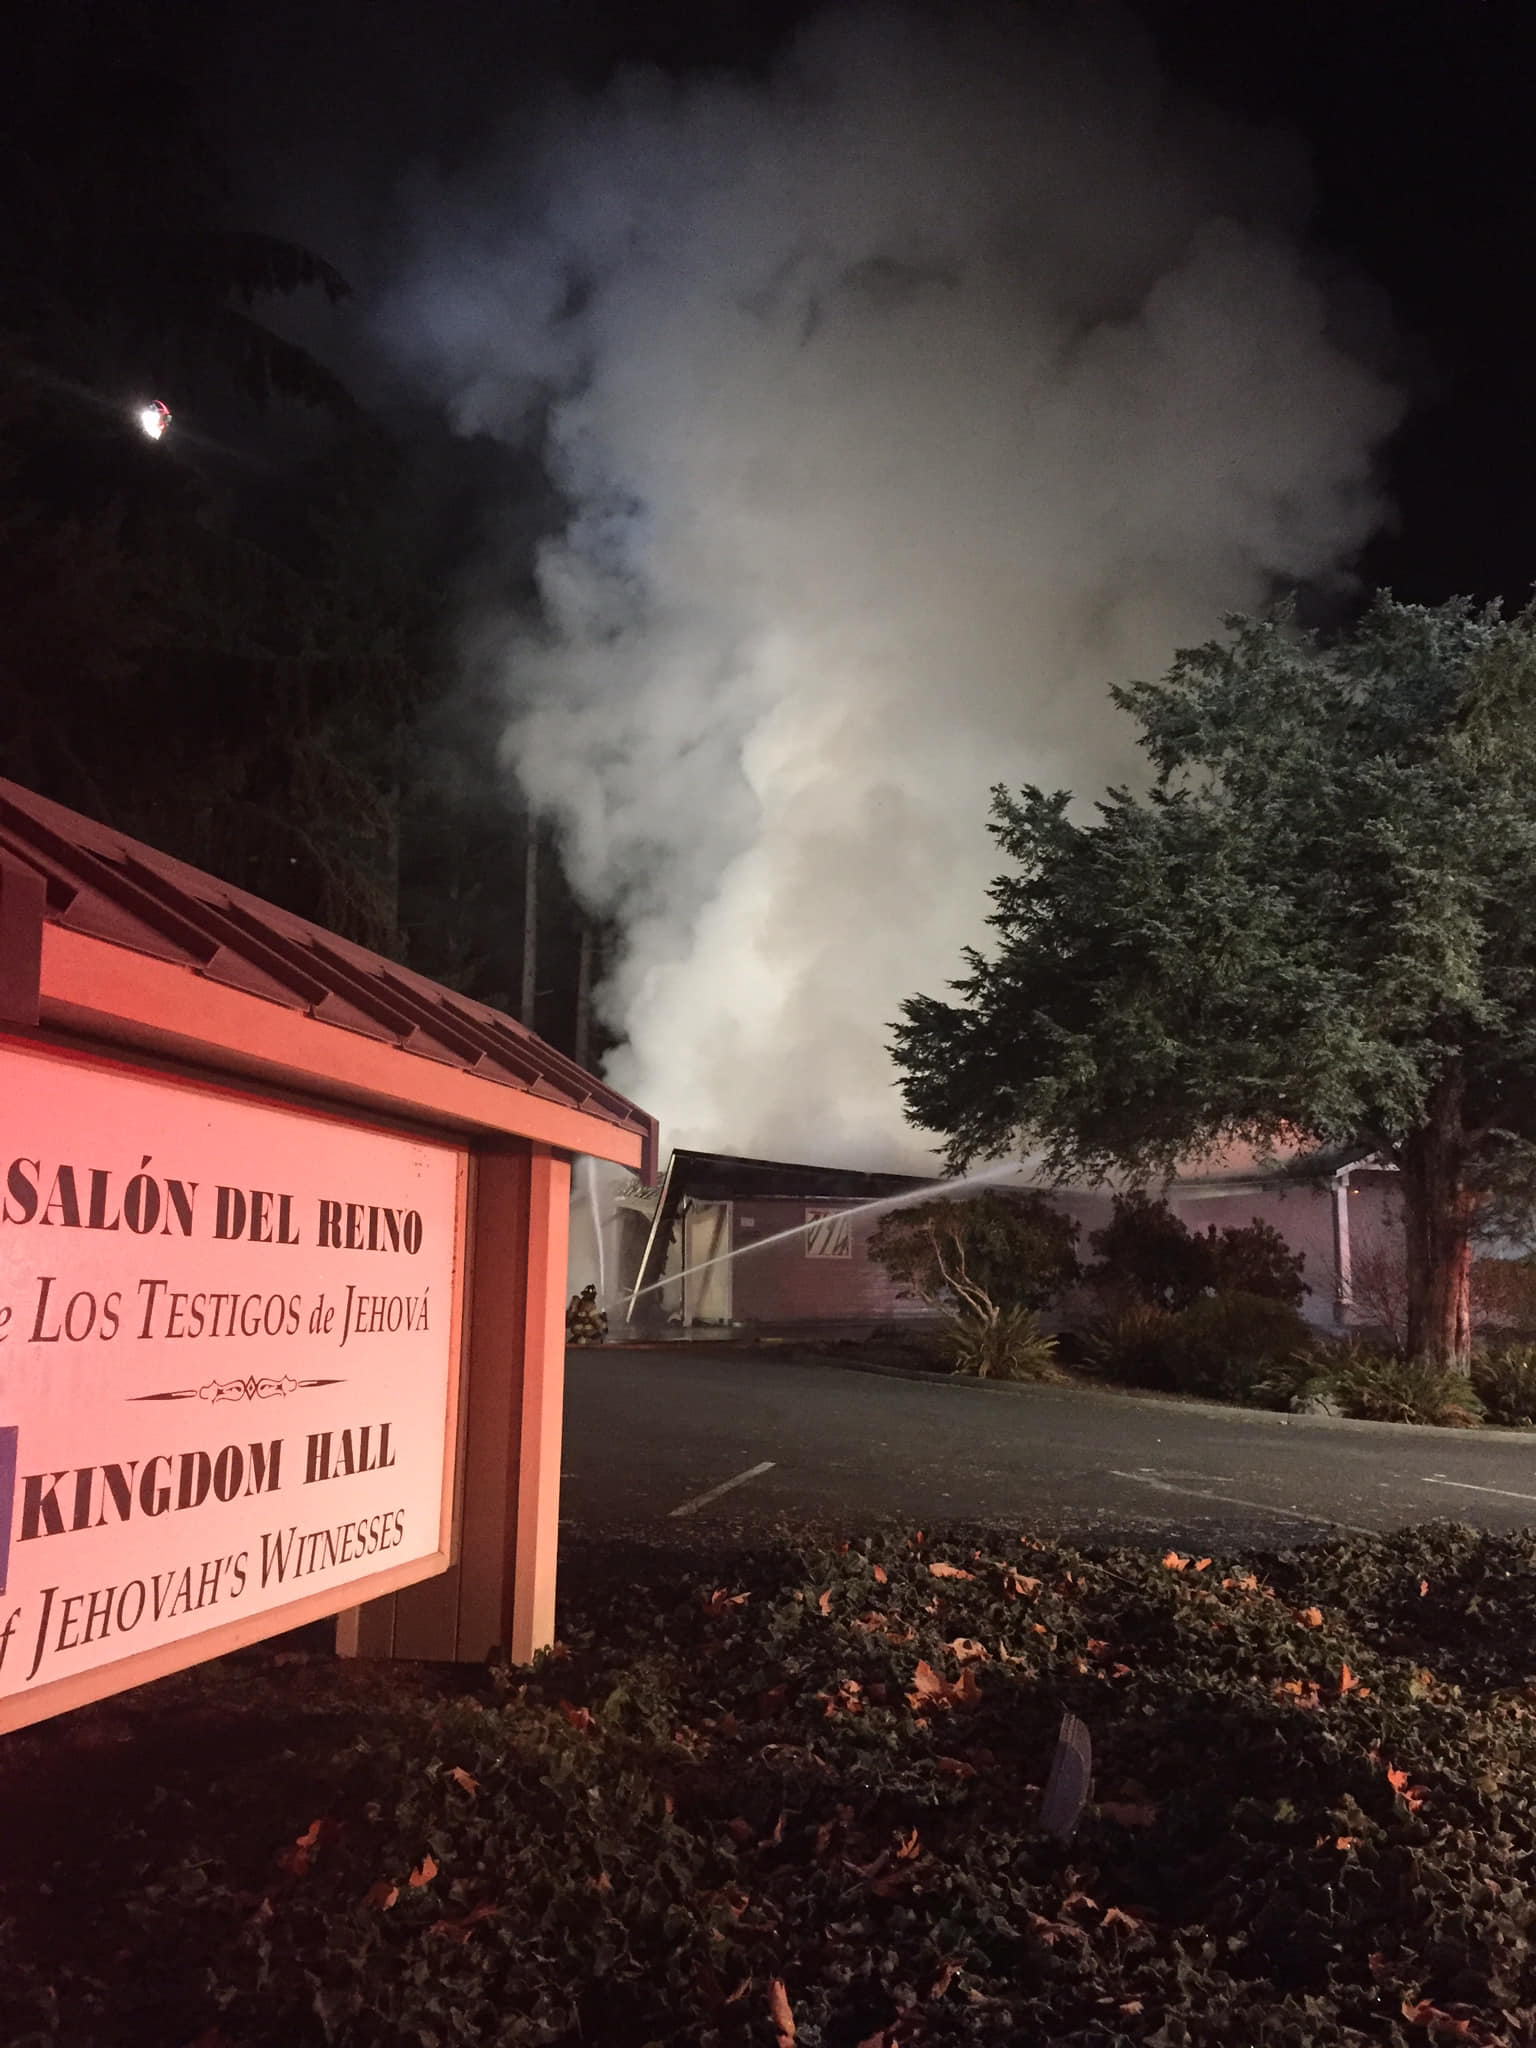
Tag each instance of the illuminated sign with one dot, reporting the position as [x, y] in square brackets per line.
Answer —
[228, 1356]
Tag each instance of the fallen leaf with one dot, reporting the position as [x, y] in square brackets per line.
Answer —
[949, 1571]
[1173, 1562]
[580, 1718]
[945, 1978]
[881, 1578]
[1346, 1842]
[1131, 2006]
[968, 1651]
[1310, 1617]
[383, 1894]
[1442, 2025]
[779, 2012]
[720, 1600]
[772, 1841]
[424, 1872]
[1019, 1585]
[1423, 1587]
[602, 1883]
[931, 1687]
[463, 1780]
[461, 1930]
[1202, 1564]
[907, 1847]
[1347, 1679]
[297, 1859]
[825, 1602]
[740, 1992]
[1079, 1899]
[1115, 1916]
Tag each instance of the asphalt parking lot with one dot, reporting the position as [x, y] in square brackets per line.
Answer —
[700, 1444]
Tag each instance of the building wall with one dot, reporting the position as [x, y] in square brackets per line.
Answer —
[1303, 1216]
[787, 1282]
[795, 1281]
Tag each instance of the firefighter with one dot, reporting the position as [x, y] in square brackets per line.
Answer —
[585, 1322]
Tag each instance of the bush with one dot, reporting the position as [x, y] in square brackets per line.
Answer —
[1256, 1259]
[1134, 1346]
[1504, 1380]
[1009, 1346]
[1376, 1385]
[1003, 1249]
[1311, 1814]
[1240, 1347]
[1226, 1347]
[1147, 1254]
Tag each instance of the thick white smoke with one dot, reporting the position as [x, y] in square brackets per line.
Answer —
[902, 403]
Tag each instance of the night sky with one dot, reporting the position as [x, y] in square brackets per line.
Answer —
[1416, 122]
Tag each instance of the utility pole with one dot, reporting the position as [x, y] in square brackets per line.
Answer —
[530, 922]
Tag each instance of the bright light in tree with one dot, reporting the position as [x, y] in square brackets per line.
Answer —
[154, 418]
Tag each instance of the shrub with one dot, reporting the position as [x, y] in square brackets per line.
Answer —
[1148, 1254]
[1239, 1347]
[1255, 1259]
[1504, 1381]
[1377, 1385]
[1003, 1249]
[1134, 1346]
[1008, 1346]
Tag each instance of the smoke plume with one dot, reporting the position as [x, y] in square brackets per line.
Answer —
[900, 403]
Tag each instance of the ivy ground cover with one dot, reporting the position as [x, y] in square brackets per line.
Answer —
[792, 1797]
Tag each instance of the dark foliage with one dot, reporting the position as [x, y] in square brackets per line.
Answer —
[805, 1787]
[1504, 1380]
[1235, 1347]
[1016, 1248]
[1246, 1348]
[1148, 1254]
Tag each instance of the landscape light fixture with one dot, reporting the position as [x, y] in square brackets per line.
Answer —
[154, 418]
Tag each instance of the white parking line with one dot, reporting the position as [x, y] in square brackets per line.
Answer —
[1232, 1500]
[702, 1499]
[1466, 1485]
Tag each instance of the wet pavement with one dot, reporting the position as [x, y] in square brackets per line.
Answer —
[699, 1446]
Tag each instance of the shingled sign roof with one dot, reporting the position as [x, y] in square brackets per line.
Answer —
[102, 884]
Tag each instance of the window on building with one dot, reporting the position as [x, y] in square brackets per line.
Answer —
[831, 1235]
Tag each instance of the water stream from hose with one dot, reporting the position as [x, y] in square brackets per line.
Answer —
[597, 1228]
